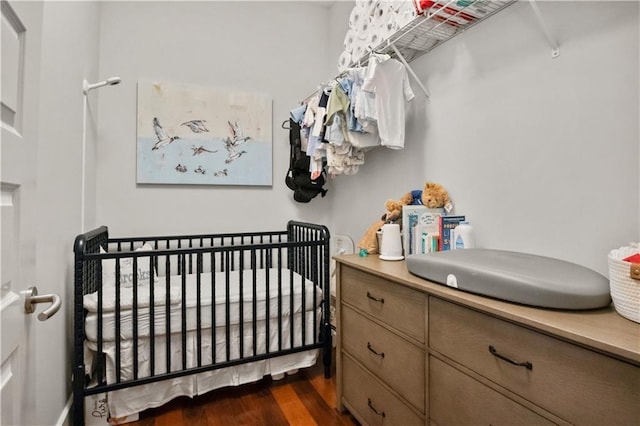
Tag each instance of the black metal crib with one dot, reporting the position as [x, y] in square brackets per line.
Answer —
[291, 267]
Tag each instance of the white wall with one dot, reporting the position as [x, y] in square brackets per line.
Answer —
[69, 54]
[275, 48]
[541, 154]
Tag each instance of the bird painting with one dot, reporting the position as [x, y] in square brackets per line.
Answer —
[161, 134]
[223, 172]
[181, 168]
[233, 154]
[200, 170]
[231, 143]
[197, 150]
[236, 134]
[196, 126]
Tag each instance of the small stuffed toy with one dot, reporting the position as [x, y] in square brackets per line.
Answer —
[433, 196]
[369, 241]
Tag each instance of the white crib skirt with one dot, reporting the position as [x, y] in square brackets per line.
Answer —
[135, 399]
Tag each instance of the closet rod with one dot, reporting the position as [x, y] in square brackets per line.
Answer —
[555, 49]
[413, 74]
[402, 59]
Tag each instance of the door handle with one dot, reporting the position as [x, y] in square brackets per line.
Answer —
[31, 298]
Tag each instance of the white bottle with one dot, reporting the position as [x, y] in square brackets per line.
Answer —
[464, 238]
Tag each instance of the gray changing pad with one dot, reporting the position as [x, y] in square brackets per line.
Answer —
[517, 277]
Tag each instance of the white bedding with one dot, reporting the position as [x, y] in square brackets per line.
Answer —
[174, 299]
[139, 398]
[135, 399]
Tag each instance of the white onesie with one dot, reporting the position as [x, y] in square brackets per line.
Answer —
[388, 79]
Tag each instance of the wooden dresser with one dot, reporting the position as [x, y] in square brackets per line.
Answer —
[414, 352]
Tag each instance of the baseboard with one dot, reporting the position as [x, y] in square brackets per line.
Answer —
[64, 419]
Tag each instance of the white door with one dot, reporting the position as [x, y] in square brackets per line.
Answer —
[21, 40]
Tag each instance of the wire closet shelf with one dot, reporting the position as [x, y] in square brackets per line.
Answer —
[435, 26]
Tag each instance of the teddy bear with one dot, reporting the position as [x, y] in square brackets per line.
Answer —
[433, 196]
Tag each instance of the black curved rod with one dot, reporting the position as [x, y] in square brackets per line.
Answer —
[525, 364]
[370, 404]
[381, 300]
[380, 354]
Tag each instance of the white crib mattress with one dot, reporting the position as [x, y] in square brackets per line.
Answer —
[280, 302]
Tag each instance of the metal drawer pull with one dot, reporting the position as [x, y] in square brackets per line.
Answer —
[381, 354]
[525, 364]
[380, 413]
[381, 300]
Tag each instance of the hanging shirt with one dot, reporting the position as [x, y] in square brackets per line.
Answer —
[388, 79]
[337, 108]
[297, 114]
[310, 112]
[338, 103]
[354, 88]
[362, 104]
[335, 133]
[309, 120]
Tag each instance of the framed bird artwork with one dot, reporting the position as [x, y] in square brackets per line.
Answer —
[203, 136]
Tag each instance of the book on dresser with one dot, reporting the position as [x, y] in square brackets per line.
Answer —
[447, 224]
[420, 226]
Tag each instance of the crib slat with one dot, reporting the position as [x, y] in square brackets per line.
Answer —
[117, 336]
[241, 304]
[279, 302]
[226, 309]
[167, 311]
[184, 312]
[199, 308]
[135, 318]
[101, 359]
[152, 315]
[267, 315]
[291, 309]
[213, 308]
[255, 302]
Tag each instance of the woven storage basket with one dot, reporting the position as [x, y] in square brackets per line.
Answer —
[625, 290]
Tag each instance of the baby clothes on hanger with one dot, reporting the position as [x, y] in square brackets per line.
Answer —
[362, 128]
[388, 79]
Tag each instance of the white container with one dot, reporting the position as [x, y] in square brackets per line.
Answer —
[464, 238]
[391, 244]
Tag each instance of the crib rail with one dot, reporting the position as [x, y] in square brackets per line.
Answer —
[211, 259]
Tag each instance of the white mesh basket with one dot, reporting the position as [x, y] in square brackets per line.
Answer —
[625, 290]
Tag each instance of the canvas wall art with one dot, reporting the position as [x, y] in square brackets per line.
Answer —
[199, 135]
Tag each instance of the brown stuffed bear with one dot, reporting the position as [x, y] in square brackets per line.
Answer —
[435, 196]
[432, 196]
[369, 241]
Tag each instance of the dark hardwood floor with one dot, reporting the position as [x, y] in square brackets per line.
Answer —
[306, 398]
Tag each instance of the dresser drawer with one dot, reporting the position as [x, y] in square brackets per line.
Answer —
[371, 402]
[394, 360]
[574, 383]
[457, 399]
[394, 304]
